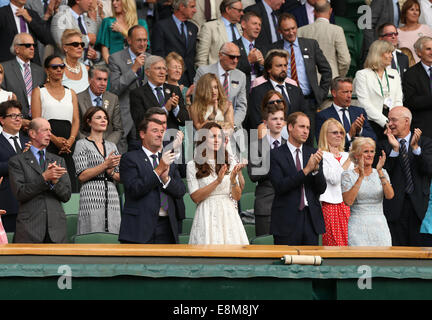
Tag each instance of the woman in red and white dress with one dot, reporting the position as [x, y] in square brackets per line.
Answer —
[335, 161]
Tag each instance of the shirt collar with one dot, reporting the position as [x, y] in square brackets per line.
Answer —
[22, 63]
[226, 22]
[177, 21]
[149, 153]
[13, 7]
[287, 44]
[8, 135]
[76, 15]
[92, 95]
[132, 55]
[153, 86]
[407, 139]
[271, 139]
[246, 42]
[293, 148]
[338, 108]
[35, 151]
[426, 67]
[221, 70]
[267, 7]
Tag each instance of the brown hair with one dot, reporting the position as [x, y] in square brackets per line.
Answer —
[406, 6]
[88, 115]
[267, 108]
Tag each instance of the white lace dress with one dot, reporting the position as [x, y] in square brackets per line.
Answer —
[216, 218]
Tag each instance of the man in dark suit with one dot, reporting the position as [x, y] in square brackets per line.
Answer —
[14, 18]
[12, 142]
[268, 10]
[416, 86]
[178, 34]
[298, 180]
[275, 66]
[409, 165]
[251, 61]
[157, 93]
[400, 62]
[305, 14]
[153, 187]
[40, 182]
[273, 116]
[15, 74]
[354, 119]
[97, 96]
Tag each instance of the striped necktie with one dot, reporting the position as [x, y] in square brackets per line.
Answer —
[409, 187]
[225, 83]
[293, 64]
[163, 196]
[28, 82]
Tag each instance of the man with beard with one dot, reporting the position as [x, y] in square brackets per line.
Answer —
[275, 66]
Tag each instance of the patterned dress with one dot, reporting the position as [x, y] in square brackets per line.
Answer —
[99, 208]
[367, 224]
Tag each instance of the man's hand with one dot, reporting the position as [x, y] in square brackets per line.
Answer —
[139, 62]
[172, 102]
[356, 126]
[255, 56]
[313, 162]
[415, 138]
[391, 139]
[22, 12]
[53, 172]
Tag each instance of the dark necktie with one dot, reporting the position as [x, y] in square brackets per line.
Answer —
[282, 89]
[183, 33]
[81, 26]
[45, 5]
[160, 96]
[409, 187]
[253, 71]
[299, 167]
[41, 159]
[18, 149]
[234, 37]
[275, 144]
[225, 83]
[23, 26]
[207, 10]
[345, 121]
[275, 23]
[430, 77]
[163, 196]
[98, 101]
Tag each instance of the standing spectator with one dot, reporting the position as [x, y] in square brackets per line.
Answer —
[378, 88]
[409, 165]
[75, 75]
[417, 87]
[215, 186]
[12, 142]
[96, 162]
[5, 95]
[389, 33]
[330, 37]
[273, 115]
[127, 73]
[233, 80]
[268, 10]
[335, 161]
[298, 180]
[363, 190]
[40, 182]
[306, 13]
[14, 18]
[214, 34]
[97, 96]
[207, 10]
[21, 75]
[412, 29]
[58, 105]
[178, 34]
[114, 30]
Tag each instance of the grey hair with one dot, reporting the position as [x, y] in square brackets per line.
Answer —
[335, 82]
[418, 45]
[16, 40]
[176, 4]
[376, 50]
[97, 67]
[149, 61]
[357, 146]
[225, 45]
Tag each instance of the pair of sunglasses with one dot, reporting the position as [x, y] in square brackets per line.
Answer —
[275, 101]
[232, 57]
[27, 45]
[57, 66]
[76, 44]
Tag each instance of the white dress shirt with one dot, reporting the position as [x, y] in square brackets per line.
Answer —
[17, 19]
[293, 151]
[11, 141]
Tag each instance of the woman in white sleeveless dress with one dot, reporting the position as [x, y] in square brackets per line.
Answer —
[215, 183]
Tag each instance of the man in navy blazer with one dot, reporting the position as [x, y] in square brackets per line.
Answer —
[298, 181]
[301, 13]
[153, 188]
[355, 123]
[11, 120]
[178, 34]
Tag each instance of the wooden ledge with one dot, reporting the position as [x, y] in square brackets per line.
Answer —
[221, 251]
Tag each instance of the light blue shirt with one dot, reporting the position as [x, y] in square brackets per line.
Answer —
[416, 152]
[396, 13]
[246, 44]
[178, 24]
[228, 30]
[153, 88]
[4, 3]
[35, 151]
[273, 31]
[93, 97]
[300, 66]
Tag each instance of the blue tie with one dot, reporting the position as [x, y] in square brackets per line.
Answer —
[345, 121]
[160, 96]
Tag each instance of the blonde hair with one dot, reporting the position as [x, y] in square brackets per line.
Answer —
[69, 33]
[374, 58]
[129, 12]
[357, 146]
[174, 56]
[322, 142]
[203, 96]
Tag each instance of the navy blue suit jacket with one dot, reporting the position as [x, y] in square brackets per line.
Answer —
[142, 202]
[8, 201]
[301, 16]
[287, 181]
[354, 112]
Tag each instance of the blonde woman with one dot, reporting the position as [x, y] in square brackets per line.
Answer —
[114, 30]
[211, 104]
[335, 161]
[363, 189]
[175, 70]
[377, 87]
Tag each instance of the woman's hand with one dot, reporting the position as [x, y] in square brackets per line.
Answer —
[381, 161]
[360, 167]
[112, 161]
[237, 169]
[221, 173]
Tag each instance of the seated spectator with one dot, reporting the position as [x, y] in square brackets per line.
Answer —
[175, 69]
[211, 104]
[113, 31]
[58, 105]
[96, 162]
[363, 190]
[75, 75]
[97, 96]
[273, 115]
[412, 29]
[377, 87]
[215, 182]
[335, 161]
[5, 95]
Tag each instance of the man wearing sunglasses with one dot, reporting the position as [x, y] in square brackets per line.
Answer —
[388, 32]
[21, 75]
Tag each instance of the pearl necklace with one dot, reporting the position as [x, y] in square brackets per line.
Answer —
[76, 69]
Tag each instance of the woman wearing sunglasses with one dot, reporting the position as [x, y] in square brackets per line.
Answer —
[335, 161]
[272, 97]
[59, 105]
[75, 76]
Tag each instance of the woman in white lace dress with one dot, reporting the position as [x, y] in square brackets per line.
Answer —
[215, 183]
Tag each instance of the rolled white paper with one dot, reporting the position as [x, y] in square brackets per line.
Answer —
[296, 259]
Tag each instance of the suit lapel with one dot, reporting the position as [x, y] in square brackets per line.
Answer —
[11, 19]
[19, 77]
[148, 93]
[32, 161]
[5, 145]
